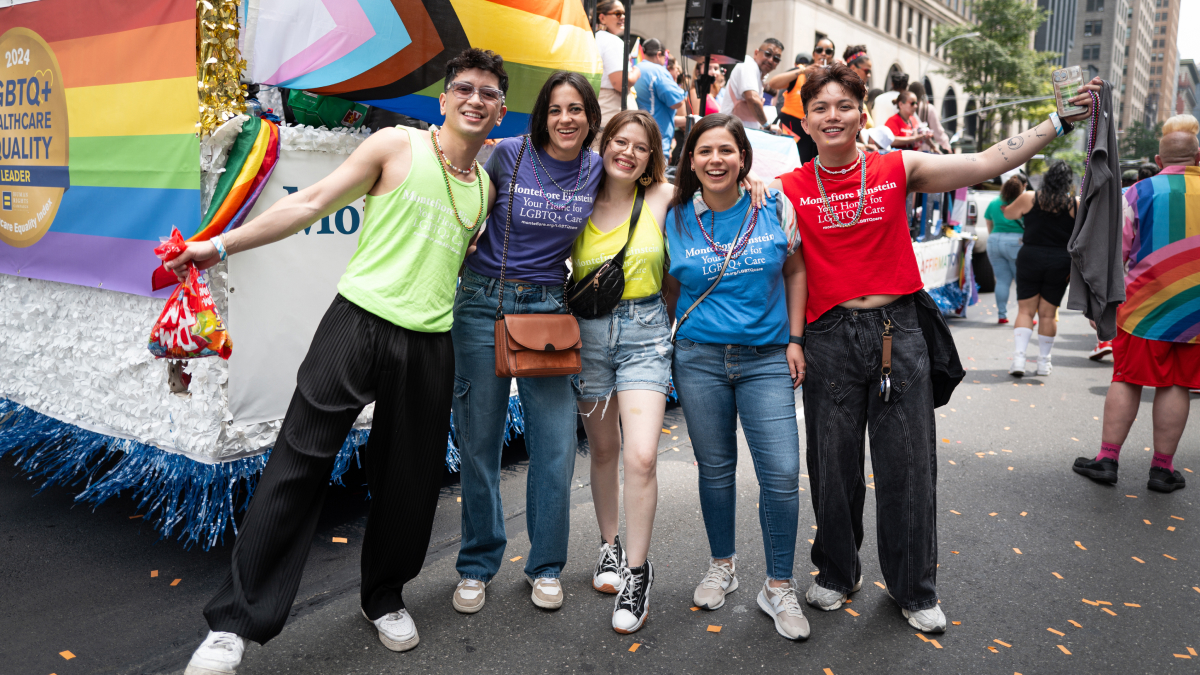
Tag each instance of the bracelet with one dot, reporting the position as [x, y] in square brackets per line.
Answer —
[1057, 122]
[219, 243]
[1068, 127]
[796, 340]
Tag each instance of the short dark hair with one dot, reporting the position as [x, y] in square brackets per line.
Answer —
[902, 96]
[539, 129]
[686, 180]
[773, 41]
[899, 80]
[480, 59]
[854, 54]
[825, 38]
[1147, 170]
[652, 47]
[803, 60]
[838, 73]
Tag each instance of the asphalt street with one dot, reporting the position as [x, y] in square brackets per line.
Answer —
[1026, 549]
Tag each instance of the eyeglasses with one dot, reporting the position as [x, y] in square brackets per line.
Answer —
[621, 145]
[828, 51]
[465, 90]
[616, 12]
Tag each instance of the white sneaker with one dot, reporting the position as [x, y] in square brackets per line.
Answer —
[396, 630]
[930, 620]
[219, 654]
[1017, 369]
[782, 605]
[1044, 367]
[823, 598]
[720, 580]
[547, 592]
[607, 577]
[469, 596]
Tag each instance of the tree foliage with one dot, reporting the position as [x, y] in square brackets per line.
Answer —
[999, 65]
[1140, 140]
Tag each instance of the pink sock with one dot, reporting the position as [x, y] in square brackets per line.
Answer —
[1109, 451]
[1161, 461]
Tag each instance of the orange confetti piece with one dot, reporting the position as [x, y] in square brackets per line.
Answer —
[956, 623]
[666, 431]
[695, 609]
[828, 672]
[993, 513]
[1132, 496]
[1196, 588]
[515, 559]
[850, 611]
[922, 636]
[176, 582]
[1189, 471]
[1075, 439]
[1060, 634]
[341, 540]
[66, 655]
[955, 512]
[1002, 643]
[460, 500]
[1171, 528]
[1057, 575]
[1177, 518]
[1002, 449]
[1104, 602]
[954, 552]
[1074, 623]
[1064, 650]
[1139, 559]
[945, 440]
[1130, 604]
[714, 629]
[1105, 609]
[1192, 652]
[993, 649]
[1080, 545]
[1147, 522]
[881, 585]
[153, 573]
[1167, 556]
[814, 573]
[1017, 550]
[1089, 602]
[635, 646]
[953, 462]
[1181, 656]
[935, 643]
[674, 426]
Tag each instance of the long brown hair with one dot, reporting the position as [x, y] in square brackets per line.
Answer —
[686, 180]
[656, 168]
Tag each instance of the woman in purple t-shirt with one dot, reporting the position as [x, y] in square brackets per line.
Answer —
[555, 185]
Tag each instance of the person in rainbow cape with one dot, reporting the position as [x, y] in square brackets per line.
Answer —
[385, 338]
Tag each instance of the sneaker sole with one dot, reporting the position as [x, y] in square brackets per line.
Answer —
[628, 631]
[912, 622]
[542, 603]
[395, 645]
[1159, 486]
[1017, 373]
[605, 588]
[766, 607]
[463, 609]
[201, 670]
[1106, 477]
[1101, 355]
[733, 586]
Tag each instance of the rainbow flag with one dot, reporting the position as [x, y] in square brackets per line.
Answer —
[535, 37]
[128, 127]
[1162, 248]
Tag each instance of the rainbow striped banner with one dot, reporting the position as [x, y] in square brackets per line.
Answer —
[338, 52]
[128, 70]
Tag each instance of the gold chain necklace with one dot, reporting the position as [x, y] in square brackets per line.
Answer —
[450, 192]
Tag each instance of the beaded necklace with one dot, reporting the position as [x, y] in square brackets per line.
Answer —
[845, 170]
[446, 177]
[712, 223]
[1093, 124]
[862, 193]
[446, 159]
[568, 196]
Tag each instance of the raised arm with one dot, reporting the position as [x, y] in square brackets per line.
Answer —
[289, 215]
[942, 173]
[780, 81]
[1019, 206]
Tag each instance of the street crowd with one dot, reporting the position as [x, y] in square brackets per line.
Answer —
[732, 290]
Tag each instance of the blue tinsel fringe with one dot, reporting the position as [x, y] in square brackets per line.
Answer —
[173, 492]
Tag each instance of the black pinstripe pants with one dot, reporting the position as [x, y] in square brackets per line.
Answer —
[355, 358]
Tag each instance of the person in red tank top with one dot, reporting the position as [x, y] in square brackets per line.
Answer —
[868, 363]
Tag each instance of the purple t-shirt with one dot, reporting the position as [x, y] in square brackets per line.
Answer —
[541, 235]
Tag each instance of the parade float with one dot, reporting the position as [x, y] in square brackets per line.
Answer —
[120, 122]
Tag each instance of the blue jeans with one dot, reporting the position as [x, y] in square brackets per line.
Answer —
[718, 384]
[1002, 251]
[480, 406]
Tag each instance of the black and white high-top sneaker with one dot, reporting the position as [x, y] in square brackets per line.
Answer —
[607, 577]
[633, 602]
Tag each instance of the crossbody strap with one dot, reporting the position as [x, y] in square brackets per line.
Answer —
[512, 186]
[638, 200]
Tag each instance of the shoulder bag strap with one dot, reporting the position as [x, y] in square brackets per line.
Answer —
[638, 200]
[512, 186]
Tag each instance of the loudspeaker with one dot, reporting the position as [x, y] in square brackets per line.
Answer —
[718, 28]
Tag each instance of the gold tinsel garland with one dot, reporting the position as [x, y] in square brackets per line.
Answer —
[219, 63]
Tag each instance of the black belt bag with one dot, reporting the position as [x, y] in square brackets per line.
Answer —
[599, 292]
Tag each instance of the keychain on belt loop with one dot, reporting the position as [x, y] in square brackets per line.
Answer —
[885, 379]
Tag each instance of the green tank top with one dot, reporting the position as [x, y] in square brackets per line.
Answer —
[411, 247]
[999, 222]
[643, 258]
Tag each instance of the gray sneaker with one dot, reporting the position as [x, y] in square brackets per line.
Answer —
[469, 596]
[720, 580]
[930, 620]
[547, 592]
[823, 598]
[782, 605]
[219, 654]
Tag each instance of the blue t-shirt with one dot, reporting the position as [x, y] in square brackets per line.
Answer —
[541, 235]
[656, 93]
[749, 306]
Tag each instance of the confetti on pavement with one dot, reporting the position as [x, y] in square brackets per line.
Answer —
[1177, 518]
[1105, 609]
[935, 643]
[1002, 643]
[1064, 650]
[922, 636]
[1058, 633]
[1167, 556]
[956, 623]
[828, 672]
[1147, 522]
[695, 609]
[1017, 550]
[1182, 656]
[1139, 559]
[714, 629]
[1080, 546]
[1130, 604]
[955, 512]
[1074, 623]
[515, 559]
[153, 573]
[176, 582]
[66, 655]
[635, 646]
[881, 585]
[1056, 574]
[341, 540]
[851, 612]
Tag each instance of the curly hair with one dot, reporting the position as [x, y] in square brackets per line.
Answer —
[1013, 187]
[1057, 188]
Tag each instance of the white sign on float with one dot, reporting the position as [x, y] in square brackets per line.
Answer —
[278, 293]
[938, 261]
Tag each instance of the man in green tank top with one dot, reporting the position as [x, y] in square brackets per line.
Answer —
[385, 339]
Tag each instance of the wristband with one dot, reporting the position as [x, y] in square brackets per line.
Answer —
[1057, 122]
[796, 339]
[219, 243]
[1068, 127]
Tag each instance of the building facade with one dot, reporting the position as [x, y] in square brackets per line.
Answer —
[898, 35]
[1057, 33]
[1100, 47]
[1164, 60]
[1186, 87]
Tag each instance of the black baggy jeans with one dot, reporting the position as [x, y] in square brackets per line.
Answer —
[841, 396]
[355, 358]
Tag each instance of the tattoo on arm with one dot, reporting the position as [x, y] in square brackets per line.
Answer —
[1016, 142]
[1037, 132]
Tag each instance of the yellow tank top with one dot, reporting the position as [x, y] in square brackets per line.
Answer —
[643, 258]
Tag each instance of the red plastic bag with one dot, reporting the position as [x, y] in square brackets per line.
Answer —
[190, 326]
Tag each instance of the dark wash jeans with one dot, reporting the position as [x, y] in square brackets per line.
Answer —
[843, 357]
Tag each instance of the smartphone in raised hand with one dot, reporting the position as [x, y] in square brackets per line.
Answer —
[1066, 84]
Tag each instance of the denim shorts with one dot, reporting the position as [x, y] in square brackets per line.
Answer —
[627, 349]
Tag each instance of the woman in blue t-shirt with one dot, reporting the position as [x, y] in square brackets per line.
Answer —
[555, 185]
[737, 355]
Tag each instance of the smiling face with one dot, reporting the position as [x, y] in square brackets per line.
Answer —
[627, 154]
[614, 20]
[566, 120]
[767, 56]
[472, 116]
[717, 160]
[833, 117]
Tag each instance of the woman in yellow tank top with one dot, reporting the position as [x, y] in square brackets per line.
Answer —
[627, 352]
